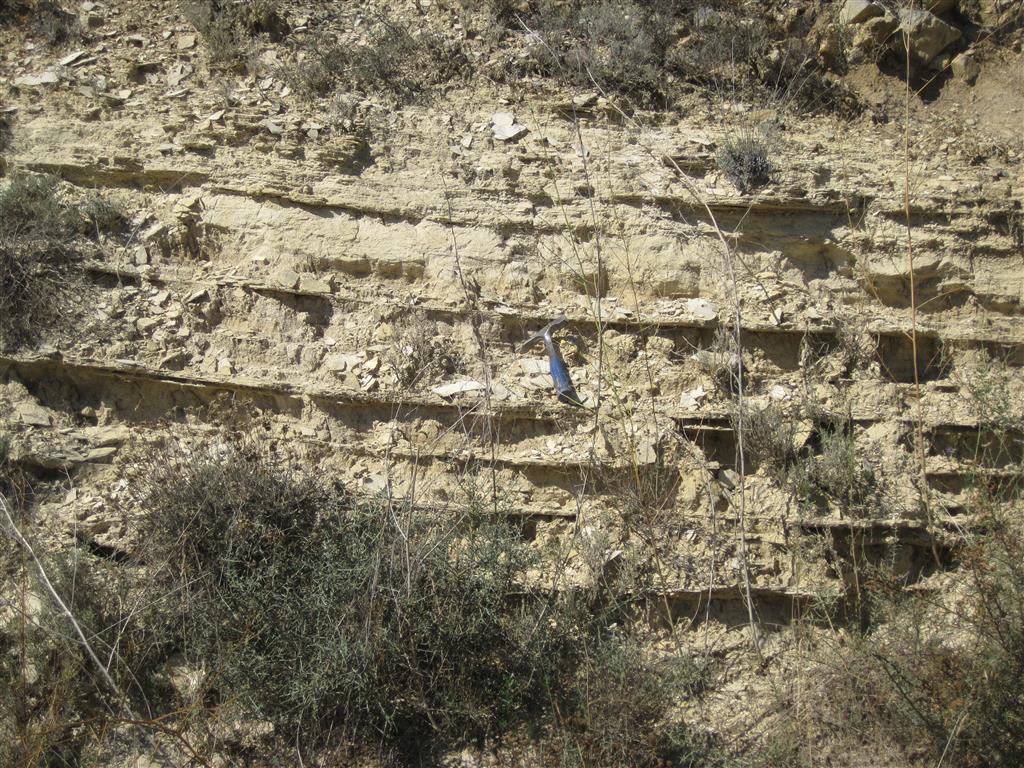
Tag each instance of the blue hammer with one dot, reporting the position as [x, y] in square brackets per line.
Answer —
[559, 373]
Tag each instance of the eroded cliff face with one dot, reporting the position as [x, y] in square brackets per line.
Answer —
[362, 295]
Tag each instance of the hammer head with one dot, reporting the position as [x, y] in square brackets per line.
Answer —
[544, 332]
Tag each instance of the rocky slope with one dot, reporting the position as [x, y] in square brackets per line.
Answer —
[364, 294]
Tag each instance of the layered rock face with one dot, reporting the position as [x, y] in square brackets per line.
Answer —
[363, 298]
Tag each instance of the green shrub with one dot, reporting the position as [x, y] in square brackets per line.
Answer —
[374, 621]
[398, 630]
[746, 163]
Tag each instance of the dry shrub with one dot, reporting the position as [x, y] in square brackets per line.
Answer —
[653, 50]
[768, 437]
[837, 470]
[724, 46]
[36, 256]
[421, 355]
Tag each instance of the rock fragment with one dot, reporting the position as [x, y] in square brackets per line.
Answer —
[506, 128]
[71, 58]
[965, 67]
[702, 309]
[178, 73]
[927, 35]
[310, 284]
[33, 414]
[858, 11]
[287, 278]
[875, 31]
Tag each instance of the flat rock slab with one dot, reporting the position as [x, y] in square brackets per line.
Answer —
[49, 77]
[506, 128]
[458, 388]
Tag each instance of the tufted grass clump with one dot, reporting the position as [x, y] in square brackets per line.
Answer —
[745, 161]
[768, 436]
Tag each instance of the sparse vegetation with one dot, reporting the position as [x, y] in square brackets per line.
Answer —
[930, 674]
[227, 27]
[721, 361]
[14, 485]
[650, 52]
[40, 247]
[839, 469]
[935, 674]
[53, 707]
[389, 58]
[621, 705]
[620, 46]
[327, 627]
[5, 139]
